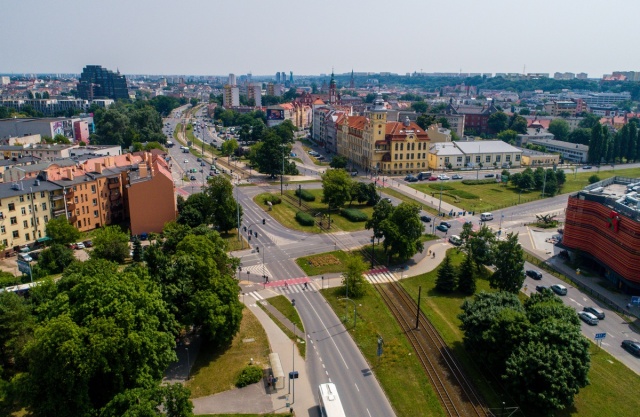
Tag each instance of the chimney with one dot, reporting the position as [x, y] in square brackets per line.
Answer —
[98, 167]
[143, 170]
[70, 174]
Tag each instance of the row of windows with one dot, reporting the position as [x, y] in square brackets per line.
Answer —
[16, 234]
[411, 146]
[410, 156]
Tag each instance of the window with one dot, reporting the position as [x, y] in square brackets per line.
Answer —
[508, 158]
[95, 201]
[46, 219]
[446, 159]
[12, 207]
[95, 213]
[22, 198]
[14, 220]
[26, 236]
[41, 194]
[44, 206]
[498, 158]
[93, 189]
[477, 159]
[517, 157]
[79, 224]
[459, 159]
[487, 158]
[5, 243]
[75, 199]
[25, 224]
[3, 230]
[15, 234]
[23, 210]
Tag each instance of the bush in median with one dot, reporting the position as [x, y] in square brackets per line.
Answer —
[354, 215]
[249, 375]
[479, 182]
[274, 199]
[304, 218]
[305, 195]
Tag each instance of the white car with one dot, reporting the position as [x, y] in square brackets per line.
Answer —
[80, 245]
[443, 177]
[186, 161]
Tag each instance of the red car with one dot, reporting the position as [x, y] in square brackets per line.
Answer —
[433, 178]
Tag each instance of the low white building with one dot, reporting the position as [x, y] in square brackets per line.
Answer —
[489, 153]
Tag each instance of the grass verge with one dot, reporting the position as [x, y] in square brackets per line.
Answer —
[281, 302]
[216, 369]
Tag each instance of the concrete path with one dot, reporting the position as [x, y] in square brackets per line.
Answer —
[260, 398]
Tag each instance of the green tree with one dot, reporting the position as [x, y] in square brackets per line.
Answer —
[593, 179]
[508, 136]
[466, 277]
[480, 247]
[419, 106]
[336, 188]
[446, 280]
[550, 186]
[61, 231]
[509, 265]
[16, 329]
[62, 139]
[353, 277]
[539, 178]
[229, 147]
[560, 129]
[172, 399]
[597, 148]
[518, 123]
[270, 154]
[498, 122]
[580, 135]
[589, 121]
[425, 120]
[54, 259]
[137, 250]
[110, 243]
[223, 207]
[381, 211]
[632, 145]
[402, 231]
[338, 161]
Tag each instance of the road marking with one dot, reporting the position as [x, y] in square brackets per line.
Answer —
[357, 387]
[323, 366]
[369, 412]
[327, 330]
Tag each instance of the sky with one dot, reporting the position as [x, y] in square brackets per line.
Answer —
[218, 37]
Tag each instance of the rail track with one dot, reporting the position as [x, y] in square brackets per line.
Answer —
[454, 389]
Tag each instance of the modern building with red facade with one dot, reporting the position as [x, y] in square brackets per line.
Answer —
[603, 222]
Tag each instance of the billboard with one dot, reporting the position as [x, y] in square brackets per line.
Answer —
[275, 114]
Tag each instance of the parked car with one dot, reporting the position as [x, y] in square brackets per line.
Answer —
[193, 178]
[425, 219]
[433, 178]
[186, 161]
[455, 240]
[72, 245]
[79, 245]
[595, 311]
[631, 347]
[387, 199]
[588, 318]
[541, 288]
[442, 228]
[199, 159]
[534, 274]
[410, 178]
[88, 243]
[587, 167]
[456, 177]
[447, 224]
[202, 164]
[443, 177]
[559, 289]
[489, 175]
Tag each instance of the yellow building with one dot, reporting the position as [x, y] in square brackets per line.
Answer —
[376, 144]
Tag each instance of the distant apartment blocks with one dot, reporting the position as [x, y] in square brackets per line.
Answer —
[98, 82]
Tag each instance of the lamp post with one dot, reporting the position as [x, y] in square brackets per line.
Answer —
[188, 364]
[282, 172]
[373, 254]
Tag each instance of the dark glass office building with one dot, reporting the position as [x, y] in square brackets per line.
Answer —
[97, 82]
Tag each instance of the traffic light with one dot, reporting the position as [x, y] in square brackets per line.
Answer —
[264, 221]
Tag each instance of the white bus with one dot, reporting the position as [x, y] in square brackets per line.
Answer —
[329, 400]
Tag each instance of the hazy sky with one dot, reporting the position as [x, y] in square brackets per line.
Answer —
[216, 37]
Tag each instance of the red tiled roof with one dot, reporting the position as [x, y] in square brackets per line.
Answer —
[398, 131]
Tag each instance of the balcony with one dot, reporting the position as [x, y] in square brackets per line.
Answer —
[58, 211]
[57, 197]
[70, 204]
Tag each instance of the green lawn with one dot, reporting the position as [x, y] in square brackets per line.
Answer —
[283, 305]
[215, 370]
[323, 263]
[285, 213]
[397, 194]
[613, 389]
[488, 197]
[399, 372]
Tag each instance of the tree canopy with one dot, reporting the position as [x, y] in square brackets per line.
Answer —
[61, 231]
[110, 243]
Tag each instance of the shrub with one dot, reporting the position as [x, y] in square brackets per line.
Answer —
[249, 375]
[354, 215]
[305, 195]
[444, 187]
[274, 199]
[464, 194]
[479, 182]
[593, 179]
[304, 218]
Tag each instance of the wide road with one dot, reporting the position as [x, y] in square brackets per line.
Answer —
[332, 356]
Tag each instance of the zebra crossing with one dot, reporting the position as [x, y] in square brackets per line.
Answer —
[297, 288]
[380, 276]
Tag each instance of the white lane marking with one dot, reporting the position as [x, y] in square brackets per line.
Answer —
[324, 367]
[357, 387]
[369, 412]
[327, 330]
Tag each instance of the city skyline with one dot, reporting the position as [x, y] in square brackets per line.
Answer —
[160, 37]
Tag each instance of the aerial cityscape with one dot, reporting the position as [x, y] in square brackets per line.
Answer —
[207, 225]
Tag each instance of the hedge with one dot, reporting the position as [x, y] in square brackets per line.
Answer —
[479, 182]
[354, 215]
[305, 219]
[305, 195]
[464, 194]
[274, 199]
[249, 375]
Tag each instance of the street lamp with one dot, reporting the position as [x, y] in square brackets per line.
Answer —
[188, 364]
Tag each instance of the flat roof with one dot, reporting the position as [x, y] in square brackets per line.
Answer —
[486, 146]
[561, 144]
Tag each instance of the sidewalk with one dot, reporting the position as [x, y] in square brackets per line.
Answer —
[259, 398]
[432, 201]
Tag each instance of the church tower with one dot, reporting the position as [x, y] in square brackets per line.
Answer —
[378, 119]
[333, 98]
[352, 82]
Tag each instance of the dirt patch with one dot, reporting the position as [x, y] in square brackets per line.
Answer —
[324, 260]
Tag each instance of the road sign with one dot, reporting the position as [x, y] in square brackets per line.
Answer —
[600, 336]
[635, 301]
[24, 267]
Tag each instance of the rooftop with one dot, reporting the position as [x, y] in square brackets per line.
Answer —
[560, 144]
[619, 193]
[486, 146]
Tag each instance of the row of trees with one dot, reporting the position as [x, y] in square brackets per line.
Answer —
[548, 180]
[624, 145]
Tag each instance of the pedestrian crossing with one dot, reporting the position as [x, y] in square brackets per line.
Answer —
[381, 276]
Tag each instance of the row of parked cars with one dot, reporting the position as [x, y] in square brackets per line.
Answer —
[81, 245]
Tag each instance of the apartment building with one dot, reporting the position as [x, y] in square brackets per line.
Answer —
[231, 96]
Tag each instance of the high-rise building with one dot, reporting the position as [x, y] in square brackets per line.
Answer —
[97, 82]
[231, 96]
[254, 91]
[232, 79]
[278, 77]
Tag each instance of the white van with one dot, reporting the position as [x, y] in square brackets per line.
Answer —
[486, 216]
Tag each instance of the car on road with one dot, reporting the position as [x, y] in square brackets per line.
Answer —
[425, 219]
[444, 177]
[446, 224]
[455, 240]
[541, 288]
[559, 289]
[588, 318]
[456, 177]
[192, 178]
[199, 159]
[432, 178]
[186, 161]
[631, 347]
[587, 167]
[410, 178]
[489, 175]
[595, 311]
[387, 199]
[202, 164]
[534, 274]
[80, 245]
[442, 228]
